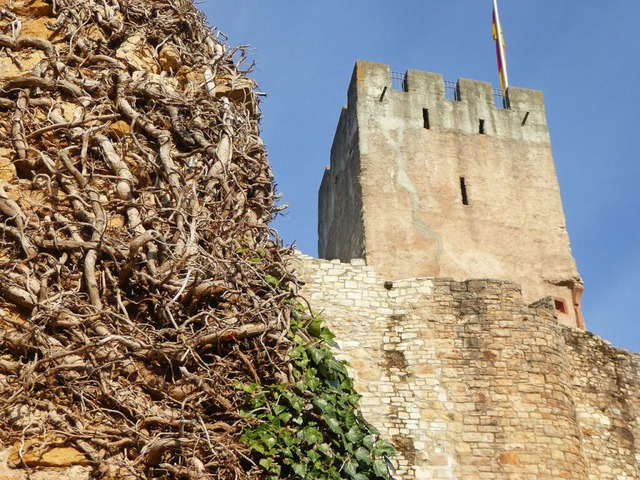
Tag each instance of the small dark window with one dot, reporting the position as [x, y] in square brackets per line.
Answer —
[463, 191]
[561, 306]
[425, 118]
[481, 126]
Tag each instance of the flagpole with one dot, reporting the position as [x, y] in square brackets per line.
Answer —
[500, 40]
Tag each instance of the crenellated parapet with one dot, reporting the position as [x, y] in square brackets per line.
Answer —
[466, 106]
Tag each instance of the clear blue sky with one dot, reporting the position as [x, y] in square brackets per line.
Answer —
[584, 56]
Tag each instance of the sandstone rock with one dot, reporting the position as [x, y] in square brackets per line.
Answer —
[169, 59]
[190, 80]
[235, 89]
[36, 27]
[44, 452]
[136, 52]
[7, 169]
[33, 8]
[28, 59]
[119, 128]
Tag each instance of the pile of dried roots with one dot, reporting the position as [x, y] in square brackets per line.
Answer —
[139, 280]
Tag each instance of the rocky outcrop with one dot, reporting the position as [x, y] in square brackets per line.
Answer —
[136, 264]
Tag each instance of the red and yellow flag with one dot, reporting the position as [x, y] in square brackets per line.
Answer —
[500, 48]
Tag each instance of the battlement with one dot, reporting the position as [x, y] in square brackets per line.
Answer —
[472, 108]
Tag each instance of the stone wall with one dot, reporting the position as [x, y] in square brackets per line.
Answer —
[471, 383]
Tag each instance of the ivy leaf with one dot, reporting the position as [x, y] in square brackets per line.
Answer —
[350, 419]
[313, 382]
[363, 455]
[316, 355]
[354, 435]
[310, 435]
[325, 449]
[369, 441]
[380, 468]
[300, 469]
[354, 398]
[333, 424]
[270, 442]
[336, 365]
[271, 280]
[351, 467]
[384, 448]
[314, 327]
[328, 337]
[285, 417]
[313, 456]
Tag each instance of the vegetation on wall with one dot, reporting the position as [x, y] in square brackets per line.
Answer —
[146, 320]
[313, 429]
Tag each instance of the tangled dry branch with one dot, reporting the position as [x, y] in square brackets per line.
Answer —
[136, 261]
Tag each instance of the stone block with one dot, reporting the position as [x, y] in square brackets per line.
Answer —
[28, 60]
[32, 8]
[45, 452]
[135, 52]
[169, 58]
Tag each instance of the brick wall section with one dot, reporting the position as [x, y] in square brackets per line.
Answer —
[471, 384]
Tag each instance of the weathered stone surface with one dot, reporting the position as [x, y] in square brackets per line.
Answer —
[238, 90]
[7, 169]
[45, 452]
[31, 8]
[27, 59]
[500, 391]
[136, 52]
[76, 472]
[119, 128]
[37, 27]
[169, 59]
[416, 188]
[508, 458]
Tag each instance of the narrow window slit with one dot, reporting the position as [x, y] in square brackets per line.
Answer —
[481, 126]
[425, 118]
[463, 191]
[384, 91]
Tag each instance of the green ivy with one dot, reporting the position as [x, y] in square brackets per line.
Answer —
[313, 429]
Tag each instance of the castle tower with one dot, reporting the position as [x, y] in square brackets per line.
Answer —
[423, 184]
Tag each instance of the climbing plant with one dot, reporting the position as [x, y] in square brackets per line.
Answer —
[313, 428]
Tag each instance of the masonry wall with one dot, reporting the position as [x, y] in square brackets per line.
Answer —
[470, 383]
[340, 194]
[416, 220]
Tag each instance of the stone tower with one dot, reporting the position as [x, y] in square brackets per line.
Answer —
[424, 184]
